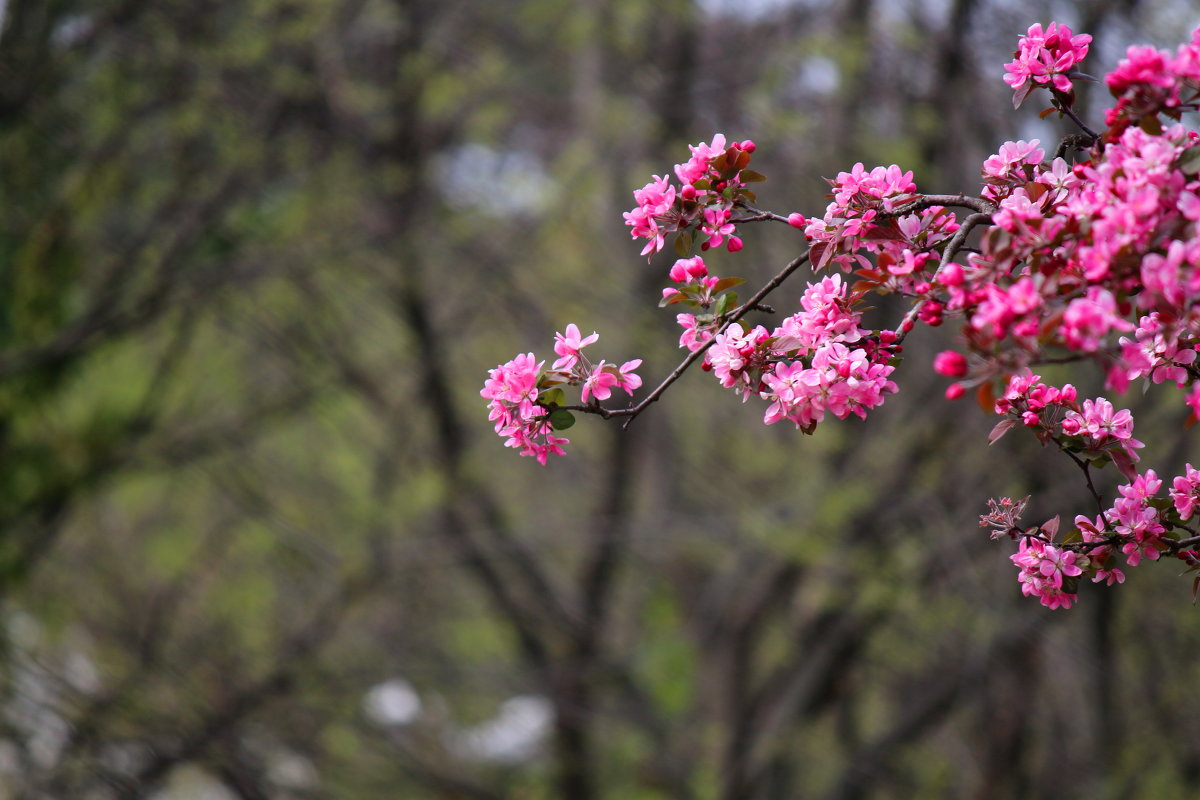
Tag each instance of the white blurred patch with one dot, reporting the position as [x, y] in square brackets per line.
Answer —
[193, 783]
[292, 771]
[818, 75]
[514, 735]
[393, 702]
[494, 182]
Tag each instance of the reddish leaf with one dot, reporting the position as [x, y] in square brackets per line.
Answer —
[1124, 463]
[819, 254]
[1035, 190]
[1050, 527]
[986, 398]
[1002, 427]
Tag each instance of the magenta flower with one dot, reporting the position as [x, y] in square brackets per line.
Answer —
[688, 269]
[1043, 568]
[599, 383]
[1185, 492]
[1045, 58]
[626, 379]
[568, 346]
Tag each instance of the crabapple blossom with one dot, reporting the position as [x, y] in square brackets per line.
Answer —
[1046, 58]
[1046, 571]
[568, 345]
[1091, 257]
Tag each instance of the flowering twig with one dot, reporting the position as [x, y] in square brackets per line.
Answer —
[952, 249]
[731, 317]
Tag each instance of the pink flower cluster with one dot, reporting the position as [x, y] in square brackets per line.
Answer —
[1047, 572]
[1045, 58]
[853, 221]
[1149, 81]
[512, 391]
[1039, 284]
[1135, 527]
[695, 287]
[1094, 426]
[817, 360]
[526, 403]
[713, 182]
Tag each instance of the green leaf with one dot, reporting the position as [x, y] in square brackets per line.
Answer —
[561, 419]
[750, 176]
[554, 397]
[728, 283]
[683, 244]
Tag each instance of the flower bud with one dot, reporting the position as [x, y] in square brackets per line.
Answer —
[797, 220]
[951, 275]
[955, 391]
[950, 363]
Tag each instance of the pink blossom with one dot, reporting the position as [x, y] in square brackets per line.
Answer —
[1087, 320]
[1193, 400]
[599, 383]
[1185, 492]
[655, 204]
[626, 379]
[1012, 166]
[567, 345]
[696, 167]
[693, 337]
[1046, 57]
[1104, 424]
[1043, 570]
[512, 391]
[717, 226]
[1142, 65]
[688, 269]
[512, 388]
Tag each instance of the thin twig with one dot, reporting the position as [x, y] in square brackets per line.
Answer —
[758, 215]
[977, 204]
[1066, 109]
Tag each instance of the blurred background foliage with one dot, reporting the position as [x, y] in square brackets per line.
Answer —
[257, 539]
